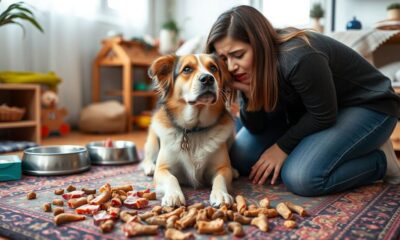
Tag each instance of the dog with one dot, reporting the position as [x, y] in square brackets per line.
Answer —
[190, 133]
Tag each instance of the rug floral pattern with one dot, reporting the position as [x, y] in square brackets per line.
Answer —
[371, 212]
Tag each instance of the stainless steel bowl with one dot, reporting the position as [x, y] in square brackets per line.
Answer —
[55, 160]
[122, 152]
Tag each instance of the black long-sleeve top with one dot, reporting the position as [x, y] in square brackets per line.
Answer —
[314, 82]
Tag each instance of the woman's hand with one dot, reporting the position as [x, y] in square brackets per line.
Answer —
[270, 161]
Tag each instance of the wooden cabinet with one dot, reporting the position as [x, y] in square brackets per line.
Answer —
[25, 96]
[128, 56]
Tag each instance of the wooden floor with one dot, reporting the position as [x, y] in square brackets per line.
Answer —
[78, 138]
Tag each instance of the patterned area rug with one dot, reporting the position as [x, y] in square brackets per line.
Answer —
[371, 212]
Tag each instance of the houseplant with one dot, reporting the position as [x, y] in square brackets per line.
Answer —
[394, 11]
[17, 12]
[316, 13]
[169, 37]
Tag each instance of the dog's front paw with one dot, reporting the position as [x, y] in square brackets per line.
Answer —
[173, 199]
[218, 198]
[148, 167]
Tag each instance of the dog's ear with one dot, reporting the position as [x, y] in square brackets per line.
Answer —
[161, 72]
[227, 79]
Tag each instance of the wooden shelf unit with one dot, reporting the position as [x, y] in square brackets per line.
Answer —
[127, 55]
[24, 96]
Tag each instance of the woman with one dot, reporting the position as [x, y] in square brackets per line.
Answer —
[314, 111]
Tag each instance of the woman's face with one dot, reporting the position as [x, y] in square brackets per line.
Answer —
[238, 56]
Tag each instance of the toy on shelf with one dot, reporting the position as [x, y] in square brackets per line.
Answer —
[53, 117]
[143, 120]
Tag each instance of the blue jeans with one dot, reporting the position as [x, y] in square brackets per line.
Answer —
[341, 157]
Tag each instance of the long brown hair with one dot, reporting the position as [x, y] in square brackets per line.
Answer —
[247, 24]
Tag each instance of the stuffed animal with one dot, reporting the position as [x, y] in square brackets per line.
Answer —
[53, 117]
[49, 99]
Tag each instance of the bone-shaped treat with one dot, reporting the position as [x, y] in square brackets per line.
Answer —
[213, 227]
[284, 211]
[241, 204]
[174, 234]
[171, 221]
[296, 208]
[198, 206]
[236, 228]
[289, 224]
[237, 217]
[68, 217]
[157, 220]
[76, 202]
[261, 222]
[264, 203]
[136, 229]
[270, 212]
[188, 220]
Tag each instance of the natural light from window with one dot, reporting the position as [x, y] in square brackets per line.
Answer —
[284, 13]
[132, 14]
[137, 8]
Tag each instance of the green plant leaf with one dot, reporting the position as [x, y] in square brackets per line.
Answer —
[19, 24]
[171, 25]
[29, 19]
[393, 6]
[316, 11]
[18, 11]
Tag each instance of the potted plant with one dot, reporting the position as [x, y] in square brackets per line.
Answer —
[169, 37]
[394, 11]
[316, 13]
[17, 12]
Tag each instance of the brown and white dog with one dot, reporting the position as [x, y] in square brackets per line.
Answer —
[190, 133]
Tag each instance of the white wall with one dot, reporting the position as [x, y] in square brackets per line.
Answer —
[368, 12]
[196, 17]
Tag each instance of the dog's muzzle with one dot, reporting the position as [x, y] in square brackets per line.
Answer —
[206, 80]
[208, 92]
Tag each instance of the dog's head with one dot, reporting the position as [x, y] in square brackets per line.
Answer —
[197, 79]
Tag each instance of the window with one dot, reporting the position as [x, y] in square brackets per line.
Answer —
[128, 9]
[285, 13]
[133, 15]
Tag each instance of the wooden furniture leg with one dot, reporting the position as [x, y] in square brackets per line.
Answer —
[96, 83]
[127, 93]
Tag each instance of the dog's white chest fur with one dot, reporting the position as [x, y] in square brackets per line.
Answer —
[194, 91]
[190, 166]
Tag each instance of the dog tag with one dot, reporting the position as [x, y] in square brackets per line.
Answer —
[185, 141]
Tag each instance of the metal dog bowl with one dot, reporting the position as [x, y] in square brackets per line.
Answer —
[121, 152]
[55, 160]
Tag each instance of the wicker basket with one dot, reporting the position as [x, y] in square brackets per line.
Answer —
[11, 114]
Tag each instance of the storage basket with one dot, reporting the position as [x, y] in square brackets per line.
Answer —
[11, 114]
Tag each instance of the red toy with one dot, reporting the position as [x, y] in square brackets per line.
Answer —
[52, 117]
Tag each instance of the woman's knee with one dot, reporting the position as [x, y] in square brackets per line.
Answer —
[302, 183]
[248, 147]
[241, 158]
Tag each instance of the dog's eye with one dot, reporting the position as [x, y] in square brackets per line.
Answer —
[187, 70]
[213, 69]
